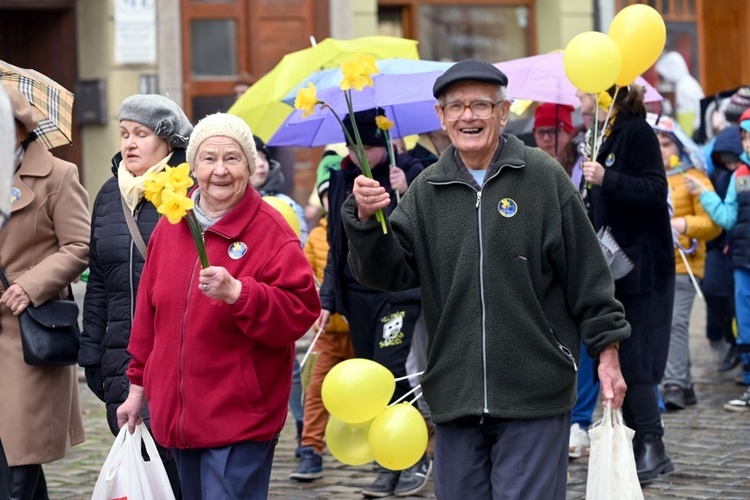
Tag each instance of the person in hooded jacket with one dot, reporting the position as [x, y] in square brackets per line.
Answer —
[154, 133]
[688, 92]
[718, 282]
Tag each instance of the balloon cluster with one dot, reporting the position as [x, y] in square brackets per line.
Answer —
[594, 62]
[362, 427]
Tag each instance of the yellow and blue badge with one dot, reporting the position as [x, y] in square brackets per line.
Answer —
[15, 195]
[610, 160]
[507, 207]
[237, 250]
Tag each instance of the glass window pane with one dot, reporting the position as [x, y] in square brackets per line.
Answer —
[488, 33]
[204, 106]
[390, 21]
[213, 47]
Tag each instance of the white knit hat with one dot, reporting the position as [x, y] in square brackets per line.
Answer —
[224, 125]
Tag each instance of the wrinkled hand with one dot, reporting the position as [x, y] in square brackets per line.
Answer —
[216, 283]
[612, 383]
[16, 299]
[370, 197]
[593, 172]
[130, 411]
[694, 185]
[398, 179]
[322, 322]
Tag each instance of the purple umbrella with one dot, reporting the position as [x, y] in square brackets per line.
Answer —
[406, 98]
[542, 78]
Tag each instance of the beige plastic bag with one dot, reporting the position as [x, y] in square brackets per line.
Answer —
[612, 472]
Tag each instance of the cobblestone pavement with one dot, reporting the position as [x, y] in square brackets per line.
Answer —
[709, 445]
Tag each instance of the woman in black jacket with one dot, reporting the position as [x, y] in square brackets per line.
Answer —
[153, 134]
[628, 192]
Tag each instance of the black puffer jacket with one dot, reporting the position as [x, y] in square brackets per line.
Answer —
[115, 266]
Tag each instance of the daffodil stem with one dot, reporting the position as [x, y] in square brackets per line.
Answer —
[361, 156]
[195, 231]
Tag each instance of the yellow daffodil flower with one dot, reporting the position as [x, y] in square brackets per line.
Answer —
[154, 186]
[605, 100]
[674, 161]
[358, 72]
[174, 206]
[383, 123]
[306, 99]
[178, 178]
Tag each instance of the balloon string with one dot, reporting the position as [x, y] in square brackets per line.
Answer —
[409, 376]
[404, 396]
[309, 350]
[598, 140]
[415, 399]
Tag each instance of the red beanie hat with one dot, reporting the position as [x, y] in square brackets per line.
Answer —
[547, 116]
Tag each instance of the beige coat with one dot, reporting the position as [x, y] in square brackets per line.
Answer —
[44, 247]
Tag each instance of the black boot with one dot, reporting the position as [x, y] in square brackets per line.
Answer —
[28, 483]
[651, 458]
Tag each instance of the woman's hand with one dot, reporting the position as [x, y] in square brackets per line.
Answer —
[370, 197]
[694, 185]
[593, 172]
[16, 299]
[216, 283]
[130, 411]
[679, 224]
[322, 322]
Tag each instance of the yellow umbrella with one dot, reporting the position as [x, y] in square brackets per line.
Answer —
[261, 107]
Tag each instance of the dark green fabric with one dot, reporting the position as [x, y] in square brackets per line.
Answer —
[496, 344]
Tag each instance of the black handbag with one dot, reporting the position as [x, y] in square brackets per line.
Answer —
[49, 333]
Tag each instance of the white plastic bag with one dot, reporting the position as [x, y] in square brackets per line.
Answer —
[612, 472]
[126, 475]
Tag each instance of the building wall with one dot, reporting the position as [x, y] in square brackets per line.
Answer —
[96, 61]
[560, 20]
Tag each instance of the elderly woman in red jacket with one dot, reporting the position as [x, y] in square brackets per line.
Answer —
[213, 348]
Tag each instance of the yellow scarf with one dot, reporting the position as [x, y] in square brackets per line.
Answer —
[131, 186]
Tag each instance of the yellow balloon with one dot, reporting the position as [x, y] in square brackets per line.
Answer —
[356, 390]
[286, 210]
[640, 33]
[398, 437]
[348, 442]
[592, 62]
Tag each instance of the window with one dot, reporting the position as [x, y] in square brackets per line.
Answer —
[213, 48]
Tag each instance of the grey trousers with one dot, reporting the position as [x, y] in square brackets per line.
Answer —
[506, 460]
[678, 359]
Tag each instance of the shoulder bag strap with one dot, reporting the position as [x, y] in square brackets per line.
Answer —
[6, 284]
[134, 232]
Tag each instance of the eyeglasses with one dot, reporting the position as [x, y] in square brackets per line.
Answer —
[549, 132]
[480, 109]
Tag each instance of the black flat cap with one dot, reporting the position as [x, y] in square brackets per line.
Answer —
[469, 69]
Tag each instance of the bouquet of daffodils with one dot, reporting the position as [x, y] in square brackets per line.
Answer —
[357, 73]
[167, 190]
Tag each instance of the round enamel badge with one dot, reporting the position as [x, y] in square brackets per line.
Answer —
[610, 160]
[507, 207]
[237, 250]
[15, 195]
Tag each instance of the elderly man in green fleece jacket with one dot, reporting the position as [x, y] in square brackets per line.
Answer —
[512, 280]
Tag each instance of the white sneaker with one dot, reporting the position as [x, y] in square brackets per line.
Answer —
[579, 442]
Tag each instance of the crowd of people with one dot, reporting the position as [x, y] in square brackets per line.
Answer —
[490, 279]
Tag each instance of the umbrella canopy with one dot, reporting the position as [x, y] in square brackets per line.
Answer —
[328, 78]
[49, 98]
[407, 100]
[261, 105]
[542, 78]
